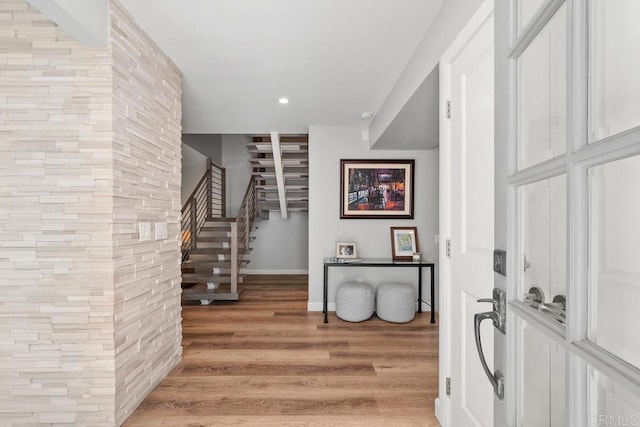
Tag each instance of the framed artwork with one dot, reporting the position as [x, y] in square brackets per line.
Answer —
[404, 243]
[347, 250]
[376, 189]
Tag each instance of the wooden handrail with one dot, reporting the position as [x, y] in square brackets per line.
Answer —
[213, 163]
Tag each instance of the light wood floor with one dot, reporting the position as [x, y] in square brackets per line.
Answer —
[266, 361]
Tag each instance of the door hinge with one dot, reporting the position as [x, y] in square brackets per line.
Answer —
[448, 249]
[448, 109]
[448, 386]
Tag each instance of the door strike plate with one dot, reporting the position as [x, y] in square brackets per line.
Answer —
[500, 261]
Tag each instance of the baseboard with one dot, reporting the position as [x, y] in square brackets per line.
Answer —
[261, 271]
[438, 410]
[317, 306]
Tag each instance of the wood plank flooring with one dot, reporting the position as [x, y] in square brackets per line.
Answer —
[266, 361]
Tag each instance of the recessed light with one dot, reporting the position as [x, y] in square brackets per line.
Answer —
[366, 115]
[283, 100]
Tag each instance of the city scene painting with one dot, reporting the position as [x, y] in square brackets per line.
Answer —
[376, 189]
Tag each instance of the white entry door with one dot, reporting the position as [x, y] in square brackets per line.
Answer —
[567, 170]
[467, 221]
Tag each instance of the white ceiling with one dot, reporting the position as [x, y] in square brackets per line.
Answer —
[333, 59]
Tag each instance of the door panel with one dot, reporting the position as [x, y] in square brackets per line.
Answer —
[541, 379]
[615, 261]
[477, 158]
[471, 211]
[609, 403]
[541, 86]
[525, 10]
[615, 87]
[542, 224]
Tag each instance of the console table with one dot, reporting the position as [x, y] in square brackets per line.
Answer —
[388, 263]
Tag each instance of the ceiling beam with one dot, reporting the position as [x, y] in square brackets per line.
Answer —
[277, 163]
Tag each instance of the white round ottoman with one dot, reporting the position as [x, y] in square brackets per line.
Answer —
[396, 302]
[355, 301]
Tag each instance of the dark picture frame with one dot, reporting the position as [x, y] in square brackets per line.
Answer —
[376, 189]
[404, 243]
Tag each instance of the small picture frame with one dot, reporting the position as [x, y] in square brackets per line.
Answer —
[346, 250]
[404, 243]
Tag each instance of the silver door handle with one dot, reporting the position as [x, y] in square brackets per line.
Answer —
[556, 309]
[496, 379]
[498, 317]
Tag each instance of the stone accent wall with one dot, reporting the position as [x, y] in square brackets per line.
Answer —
[89, 146]
[56, 245]
[147, 154]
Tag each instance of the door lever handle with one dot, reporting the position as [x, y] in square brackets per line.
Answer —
[498, 317]
[496, 379]
[499, 302]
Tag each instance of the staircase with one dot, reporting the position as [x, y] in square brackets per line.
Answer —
[281, 169]
[207, 273]
[215, 248]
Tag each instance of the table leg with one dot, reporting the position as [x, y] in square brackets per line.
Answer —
[325, 294]
[433, 286]
[419, 289]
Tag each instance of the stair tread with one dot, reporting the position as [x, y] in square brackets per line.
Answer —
[211, 251]
[285, 161]
[287, 186]
[223, 265]
[215, 251]
[288, 198]
[272, 175]
[202, 278]
[209, 273]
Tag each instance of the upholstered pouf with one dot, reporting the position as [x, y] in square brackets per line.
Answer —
[396, 302]
[355, 301]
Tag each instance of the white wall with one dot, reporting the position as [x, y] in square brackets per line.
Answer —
[194, 165]
[445, 27]
[208, 144]
[327, 145]
[281, 245]
[235, 159]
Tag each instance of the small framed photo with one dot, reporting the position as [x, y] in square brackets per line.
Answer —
[404, 243]
[347, 250]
